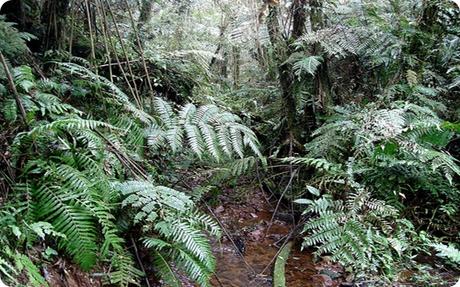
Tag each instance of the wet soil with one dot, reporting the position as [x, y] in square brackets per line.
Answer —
[246, 254]
[66, 274]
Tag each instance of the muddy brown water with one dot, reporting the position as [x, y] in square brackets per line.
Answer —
[247, 222]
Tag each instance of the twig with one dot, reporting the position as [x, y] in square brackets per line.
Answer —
[90, 28]
[279, 202]
[140, 261]
[125, 160]
[115, 64]
[125, 77]
[141, 49]
[218, 280]
[106, 39]
[125, 52]
[229, 237]
[261, 186]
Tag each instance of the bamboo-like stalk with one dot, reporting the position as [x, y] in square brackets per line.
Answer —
[72, 19]
[125, 52]
[125, 76]
[17, 98]
[141, 49]
[88, 17]
[106, 39]
[279, 278]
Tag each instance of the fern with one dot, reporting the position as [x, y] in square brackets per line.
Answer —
[356, 231]
[406, 139]
[14, 43]
[7, 270]
[161, 263]
[337, 42]
[112, 91]
[72, 220]
[207, 130]
[449, 252]
[173, 217]
[72, 177]
[124, 273]
[307, 64]
[24, 263]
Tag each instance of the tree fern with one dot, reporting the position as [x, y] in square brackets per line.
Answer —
[14, 43]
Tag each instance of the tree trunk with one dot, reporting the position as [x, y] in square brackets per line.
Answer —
[223, 66]
[299, 18]
[286, 78]
[236, 55]
[54, 15]
[145, 13]
[322, 82]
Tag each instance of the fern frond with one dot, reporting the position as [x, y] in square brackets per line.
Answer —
[124, 273]
[307, 65]
[448, 251]
[75, 222]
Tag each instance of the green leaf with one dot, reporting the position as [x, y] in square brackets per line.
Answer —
[307, 65]
[313, 190]
[303, 201]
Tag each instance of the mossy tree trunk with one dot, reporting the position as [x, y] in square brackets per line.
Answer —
[322, 82]
[282, 52]
[145, 13]
[54, 14]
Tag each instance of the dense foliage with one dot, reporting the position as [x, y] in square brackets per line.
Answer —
[107, 107]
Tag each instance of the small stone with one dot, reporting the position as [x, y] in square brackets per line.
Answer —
[325, 280]
[331, 273]
[254, 215]
[219, 209]
[256, 234]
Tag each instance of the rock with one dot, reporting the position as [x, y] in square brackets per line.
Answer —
[324, 279]
[256, 234]
[219, 209]
[331, 273]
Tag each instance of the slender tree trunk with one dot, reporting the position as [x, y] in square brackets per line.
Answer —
[299, 18]
[145, 13]
[284, 70]
[223, 66]
[322, 82]
[54, 15]
[236, 55]
[220, 45]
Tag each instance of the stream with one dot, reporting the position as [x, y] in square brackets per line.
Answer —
[251, 241]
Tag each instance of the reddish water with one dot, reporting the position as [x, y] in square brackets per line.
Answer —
[248, 221]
